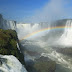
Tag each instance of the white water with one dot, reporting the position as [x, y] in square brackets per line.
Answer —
[25, 29]
[7, 24]
[63, 40]
[66, 38]
[60, 59]
[11, 64]
[42, 47]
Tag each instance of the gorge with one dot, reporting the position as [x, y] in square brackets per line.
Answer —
[48, 44]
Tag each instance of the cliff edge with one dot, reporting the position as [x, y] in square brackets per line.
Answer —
[8, 44]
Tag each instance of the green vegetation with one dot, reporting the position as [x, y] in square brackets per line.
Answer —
[8, 44]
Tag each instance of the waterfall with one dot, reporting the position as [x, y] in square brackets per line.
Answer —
[66, 38]
[25, 29]
[43, 46]
[7, 24]
[9, 63]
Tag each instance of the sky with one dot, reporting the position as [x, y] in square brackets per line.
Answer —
[34, 11]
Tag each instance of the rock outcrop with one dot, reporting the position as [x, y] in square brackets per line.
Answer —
[42, 64]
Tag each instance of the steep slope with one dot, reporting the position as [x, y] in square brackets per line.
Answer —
[8, 44]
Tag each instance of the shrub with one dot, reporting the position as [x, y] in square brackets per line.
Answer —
[8, 44]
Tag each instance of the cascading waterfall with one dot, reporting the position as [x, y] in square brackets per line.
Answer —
[25, 29]
[66, 38]
[41, 46]
[9, 24]
[10, 64]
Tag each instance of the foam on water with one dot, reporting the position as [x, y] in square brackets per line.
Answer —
[65, 39]
[59, 59]
[11, 64]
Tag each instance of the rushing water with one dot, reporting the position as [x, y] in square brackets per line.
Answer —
[44, 43]
[66, 38]
[64, 62]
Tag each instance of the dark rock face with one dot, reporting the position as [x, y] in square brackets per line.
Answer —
[8, 44]
[2, 60]
[66, 51]
[1, 21]
[43, 64]
[42, 58]
[32, 53]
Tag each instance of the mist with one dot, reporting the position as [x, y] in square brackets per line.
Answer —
[51, 11]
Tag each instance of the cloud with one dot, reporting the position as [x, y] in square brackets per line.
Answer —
[53, 10]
